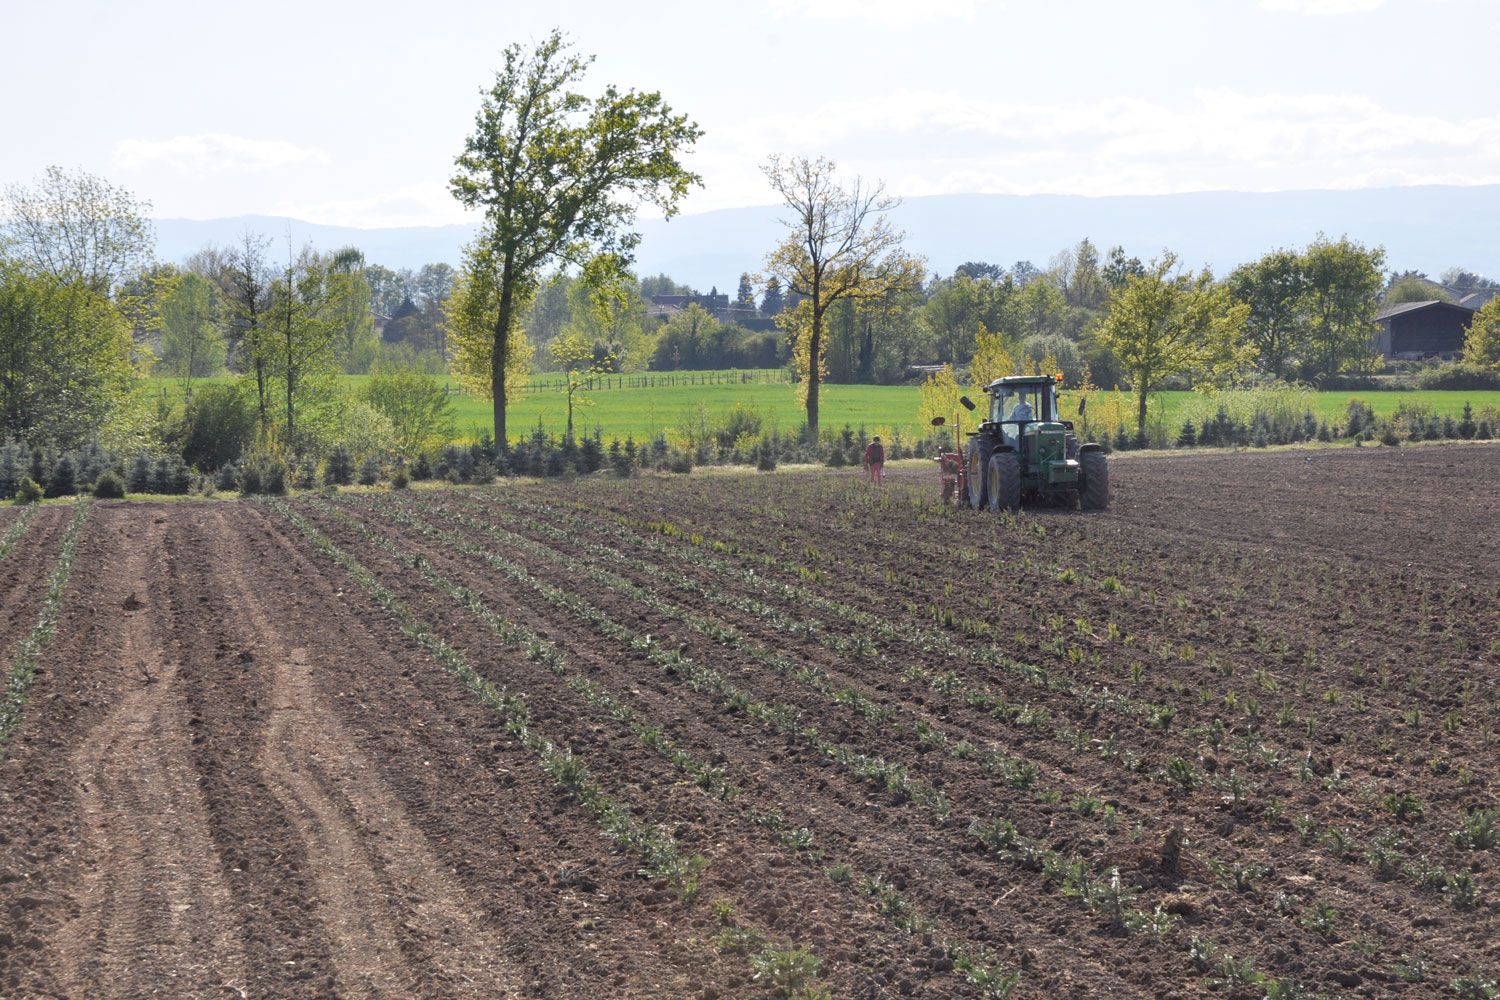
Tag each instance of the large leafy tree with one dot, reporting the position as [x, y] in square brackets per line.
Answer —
[959, 308]
[67, 246]
[299, 336]
[416, 404]
[559, 177]
[1165, 322]
[1273, 288]
[64, 357]
[1342, 279]
[245, 284]
[840, 246]
[1482, 344]
[192, 340]
[77, 227]
[355, 342]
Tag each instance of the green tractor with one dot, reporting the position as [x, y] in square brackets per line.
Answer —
[1023, 451]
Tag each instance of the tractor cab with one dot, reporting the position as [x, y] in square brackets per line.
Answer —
[1019, 406]
[1015, 404]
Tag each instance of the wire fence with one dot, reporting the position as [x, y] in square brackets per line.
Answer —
[652, 380]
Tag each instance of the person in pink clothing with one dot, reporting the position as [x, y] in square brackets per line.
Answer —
[875, 461]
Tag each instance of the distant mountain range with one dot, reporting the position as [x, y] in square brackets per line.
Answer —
[1422, 228]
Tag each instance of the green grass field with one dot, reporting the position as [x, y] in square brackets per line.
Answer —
[643, 412]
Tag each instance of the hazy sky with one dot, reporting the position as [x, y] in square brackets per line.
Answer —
[351, 113]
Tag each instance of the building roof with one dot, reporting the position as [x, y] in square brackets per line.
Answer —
[1386, 312]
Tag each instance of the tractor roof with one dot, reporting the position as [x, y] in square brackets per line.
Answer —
[1021, 380]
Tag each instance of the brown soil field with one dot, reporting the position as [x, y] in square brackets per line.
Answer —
[766, 735]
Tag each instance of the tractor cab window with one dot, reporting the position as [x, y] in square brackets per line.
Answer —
[1014, 404]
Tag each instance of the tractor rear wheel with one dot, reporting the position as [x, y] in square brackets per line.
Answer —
[979, 455]
[1004, 481]
[1095, 492]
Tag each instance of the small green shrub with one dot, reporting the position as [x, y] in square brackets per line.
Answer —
[369, 471]
[28, 492]
[109, 487]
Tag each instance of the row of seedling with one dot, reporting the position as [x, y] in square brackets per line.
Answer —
[710, 779]
[21, 669]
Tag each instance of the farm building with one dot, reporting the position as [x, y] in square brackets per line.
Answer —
[1412, 330]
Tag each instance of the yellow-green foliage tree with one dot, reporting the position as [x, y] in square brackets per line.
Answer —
[578, 362]
[415, 403]
[68, 244]
[1482, 345]
[940, 395]
[609, 311]
[840, 246]
[994, 357]
[472, 312]
[1166, 322]
[64, 358]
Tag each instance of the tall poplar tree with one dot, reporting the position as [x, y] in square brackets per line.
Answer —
[559, 177]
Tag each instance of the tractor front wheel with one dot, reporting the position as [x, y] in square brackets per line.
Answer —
[1004, 481]
[1095, 492]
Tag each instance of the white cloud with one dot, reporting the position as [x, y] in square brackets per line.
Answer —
[212, 152]
[937, 142]
[888, 11]
[1322, 6]
[424, 204]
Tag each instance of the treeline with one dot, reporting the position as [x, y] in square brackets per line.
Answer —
[85, 311]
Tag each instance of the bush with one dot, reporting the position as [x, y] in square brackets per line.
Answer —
[109, 487]
[12, 458]
[765, 457]
[369, 471]
[263, 472]
[170, 476]
[421, 469]
[484, 472]
[591, 453]
[400, 480]
[622, 460]
[227, 477]
[307, 474]
[339, 468]
[1360, 416]
[218, 425]
[139, 480]
[1388, 436]
[60, 483]
[28, 491]
[1456, 375]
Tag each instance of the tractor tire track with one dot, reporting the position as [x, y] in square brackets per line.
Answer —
[388, 910]
[153, 905]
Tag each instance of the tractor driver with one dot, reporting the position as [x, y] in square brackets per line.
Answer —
[1022, 410]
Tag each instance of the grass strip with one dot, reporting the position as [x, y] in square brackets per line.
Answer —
[29, 649]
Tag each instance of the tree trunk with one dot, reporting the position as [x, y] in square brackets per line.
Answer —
[1140, 408]
[867, 354]
[260, 393]
[814, 346]
[501, 352]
